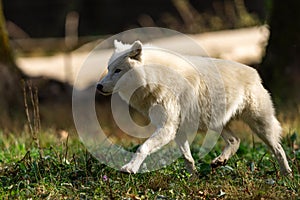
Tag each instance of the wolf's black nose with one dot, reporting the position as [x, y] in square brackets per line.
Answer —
[99, 87]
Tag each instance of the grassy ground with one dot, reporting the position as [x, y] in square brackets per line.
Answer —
[39, 163]
[60, 168]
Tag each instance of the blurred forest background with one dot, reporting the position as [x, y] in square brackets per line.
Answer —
[43, 44]
[40, 19]
[37, 29]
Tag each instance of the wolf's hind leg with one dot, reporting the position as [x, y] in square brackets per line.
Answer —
[261, 119]
[268, 130]
[232, 145]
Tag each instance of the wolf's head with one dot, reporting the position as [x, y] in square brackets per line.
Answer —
[124, 58]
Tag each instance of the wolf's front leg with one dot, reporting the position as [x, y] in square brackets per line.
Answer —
[160, 138]
[184, 146]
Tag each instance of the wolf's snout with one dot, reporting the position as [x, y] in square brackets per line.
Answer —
[99, 87]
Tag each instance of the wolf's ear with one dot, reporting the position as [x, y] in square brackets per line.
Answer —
[136, 50]
[118, 44]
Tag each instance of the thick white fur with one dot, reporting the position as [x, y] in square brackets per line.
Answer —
[215, 82]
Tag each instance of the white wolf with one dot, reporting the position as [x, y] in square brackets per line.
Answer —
[188, 87]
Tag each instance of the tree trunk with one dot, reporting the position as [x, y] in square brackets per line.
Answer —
[6, 56]
[280, 68]
[10, 85]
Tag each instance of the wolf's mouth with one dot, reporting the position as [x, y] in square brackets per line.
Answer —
[104, 93]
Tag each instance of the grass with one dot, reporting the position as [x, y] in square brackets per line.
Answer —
[61, 168]
[38, 163]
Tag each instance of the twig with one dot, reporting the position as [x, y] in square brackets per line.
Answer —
[35, 125]
[66, 148]
[26, 107]
[36, 99]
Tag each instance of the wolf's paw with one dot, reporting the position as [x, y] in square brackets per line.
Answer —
[217, 162]
[287, 173]
[128, 168]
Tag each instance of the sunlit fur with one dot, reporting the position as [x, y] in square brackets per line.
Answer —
[202, 84]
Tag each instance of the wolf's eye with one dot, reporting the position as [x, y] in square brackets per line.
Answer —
[117, 71]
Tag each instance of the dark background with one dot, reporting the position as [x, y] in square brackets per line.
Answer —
[46, 18]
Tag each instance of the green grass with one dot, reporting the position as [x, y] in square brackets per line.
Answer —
[65, 170]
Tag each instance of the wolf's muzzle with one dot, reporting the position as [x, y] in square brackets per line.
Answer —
[100, 89]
